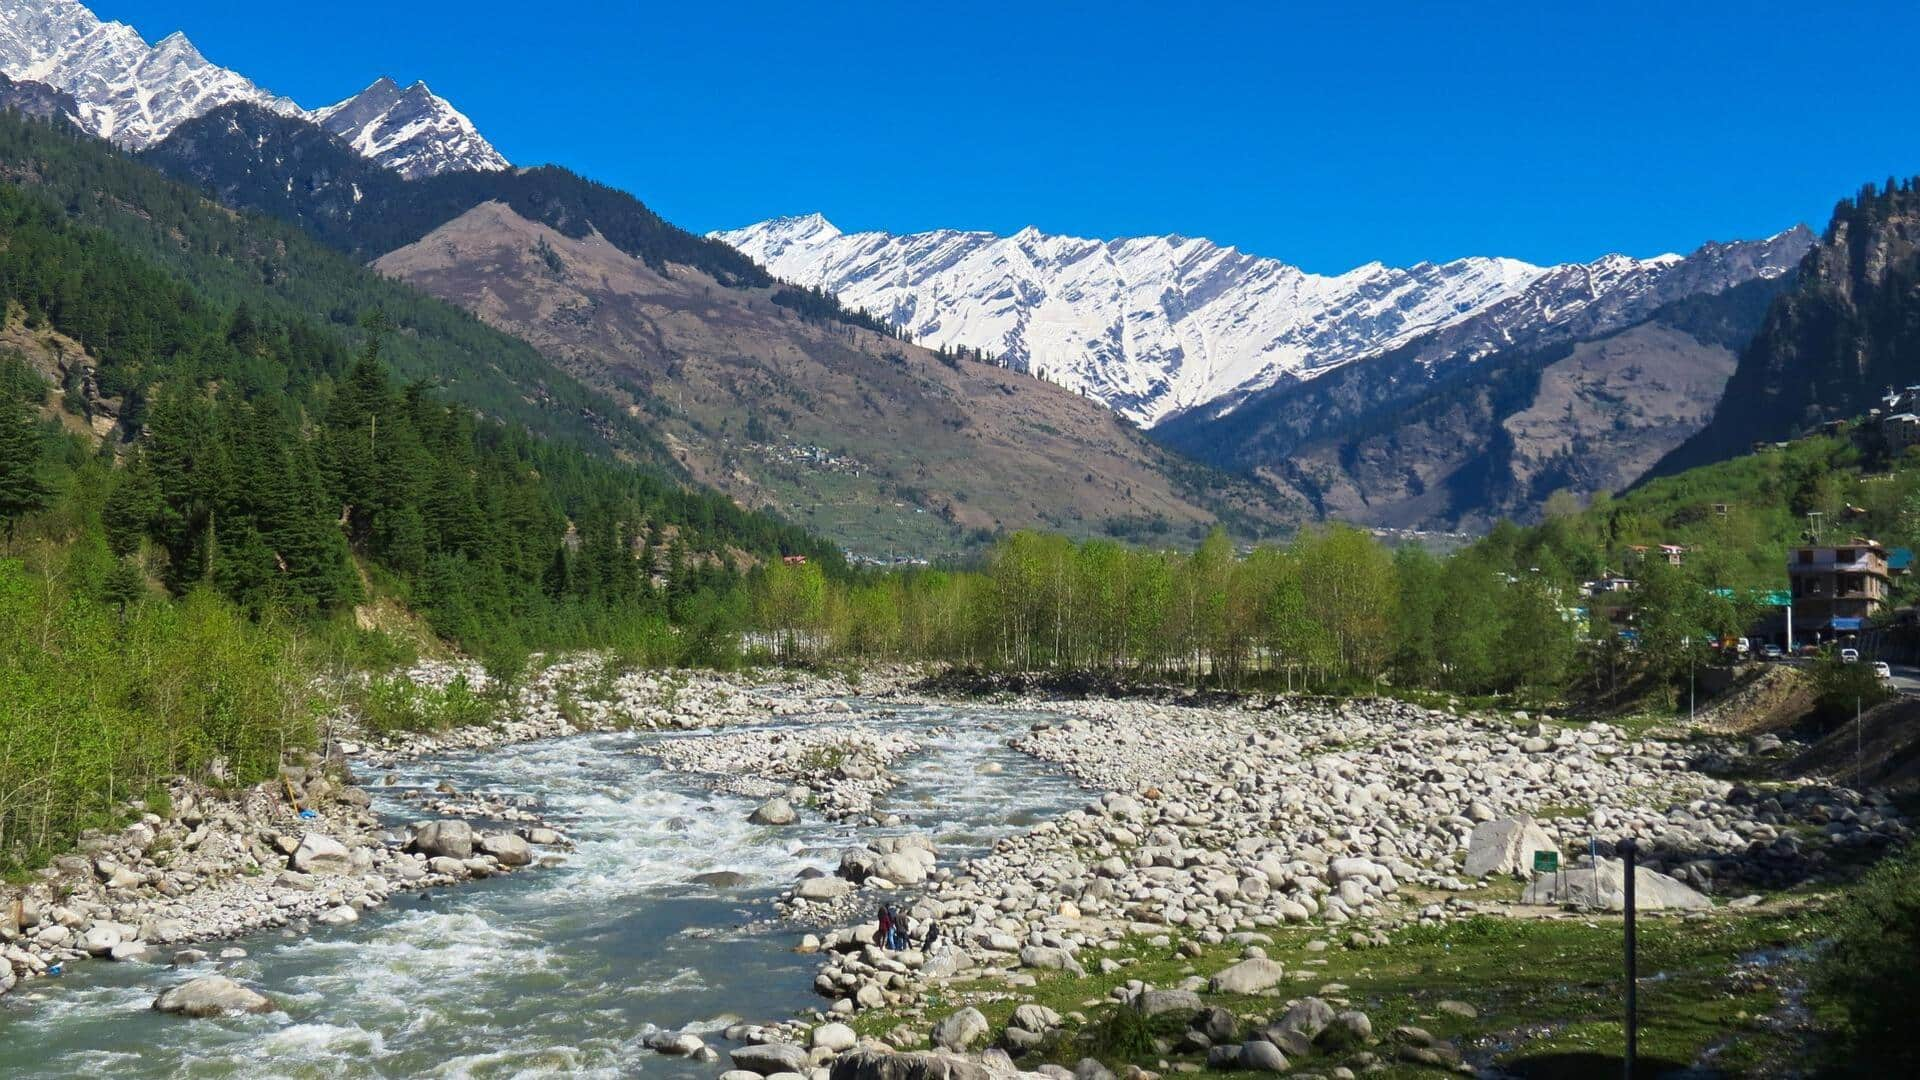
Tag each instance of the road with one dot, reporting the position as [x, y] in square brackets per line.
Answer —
[1906, 679]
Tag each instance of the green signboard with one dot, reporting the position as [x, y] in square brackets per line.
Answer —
[1546, 862]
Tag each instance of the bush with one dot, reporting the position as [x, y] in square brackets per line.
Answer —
[1841, 688]
[395, 704]
[1869, 968]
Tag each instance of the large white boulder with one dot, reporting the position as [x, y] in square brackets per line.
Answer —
[1248, 977]
[211, 995]
[1506, 846]
[443, 839]
[320, 854]
[1604, 887]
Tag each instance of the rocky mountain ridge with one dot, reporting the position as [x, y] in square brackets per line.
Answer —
[1160, 326]
[135, 95]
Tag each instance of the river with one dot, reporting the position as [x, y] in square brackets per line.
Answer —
[554, 972]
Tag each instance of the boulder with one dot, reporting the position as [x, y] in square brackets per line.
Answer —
[442, 840]
[1604, 887]
[675, 1044]
[1035, 1018]
[320, 854]
[880, 1065]
[1259, 1056]
[101, 938]
[1248, 977]
[1307, 1017]
[338, 916]
[720, 879]
[833, 1037]
[211, 995]
[822, 888]
[769, 1058]
[1155, 1002]
[774, 812]
[1049, 958]
[960, 1031]
[508, 849]
[1348, 1030]
[1505, 846]
[1216, 1024]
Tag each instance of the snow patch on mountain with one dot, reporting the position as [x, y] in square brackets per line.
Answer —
[135, 94]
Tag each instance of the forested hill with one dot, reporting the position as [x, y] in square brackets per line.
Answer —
[1848, 330]
[258, 160]
[226, 258]
[265, 443]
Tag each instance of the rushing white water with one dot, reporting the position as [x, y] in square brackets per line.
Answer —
[559, 972]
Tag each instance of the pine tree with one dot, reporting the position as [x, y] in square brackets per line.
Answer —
[22, 491]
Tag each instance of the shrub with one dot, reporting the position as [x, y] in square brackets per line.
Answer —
[1869, 968]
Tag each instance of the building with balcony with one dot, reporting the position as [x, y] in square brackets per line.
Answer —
[1837, 589]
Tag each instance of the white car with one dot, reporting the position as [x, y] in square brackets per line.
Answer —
[1882, 672]
[1849, 656]
[1772, 651]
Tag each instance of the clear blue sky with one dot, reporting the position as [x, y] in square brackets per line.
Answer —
[1306, 132]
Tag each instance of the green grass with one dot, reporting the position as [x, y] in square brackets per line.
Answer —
[1547, 985]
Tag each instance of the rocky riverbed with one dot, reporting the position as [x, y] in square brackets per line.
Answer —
[1221, 825]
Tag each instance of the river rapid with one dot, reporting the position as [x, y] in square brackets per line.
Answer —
[554, 972]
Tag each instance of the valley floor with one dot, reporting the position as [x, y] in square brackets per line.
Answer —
[1257, 885]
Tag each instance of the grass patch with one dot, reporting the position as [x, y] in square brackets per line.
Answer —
[1538, 985]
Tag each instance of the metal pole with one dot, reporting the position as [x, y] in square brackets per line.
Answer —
[1628, 849]
[1856, 743]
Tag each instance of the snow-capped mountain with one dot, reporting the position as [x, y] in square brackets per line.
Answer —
[128, 92]
[414, 131]
[1157, 325]
[135, 94]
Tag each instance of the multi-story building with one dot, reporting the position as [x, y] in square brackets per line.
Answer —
[1837, 588]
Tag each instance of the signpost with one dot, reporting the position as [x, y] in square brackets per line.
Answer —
[1546, 862]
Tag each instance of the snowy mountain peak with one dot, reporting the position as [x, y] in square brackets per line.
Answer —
[1157, 325]
[1151, 325]
[412, 131]
[126, 91]
[135, 94]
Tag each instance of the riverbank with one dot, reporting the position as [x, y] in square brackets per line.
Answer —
[304, 850]
[1257, 854]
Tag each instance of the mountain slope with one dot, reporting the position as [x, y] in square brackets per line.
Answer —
[1360, 400]
[1520, 424]
[854, 434]
[135, 94]
[1848, 330]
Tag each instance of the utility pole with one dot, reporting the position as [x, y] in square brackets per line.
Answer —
[1629, 848]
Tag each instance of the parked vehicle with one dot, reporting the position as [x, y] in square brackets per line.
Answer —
[1743, 646]
[1849, 656]
[1882, 672]
[1772, 651]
